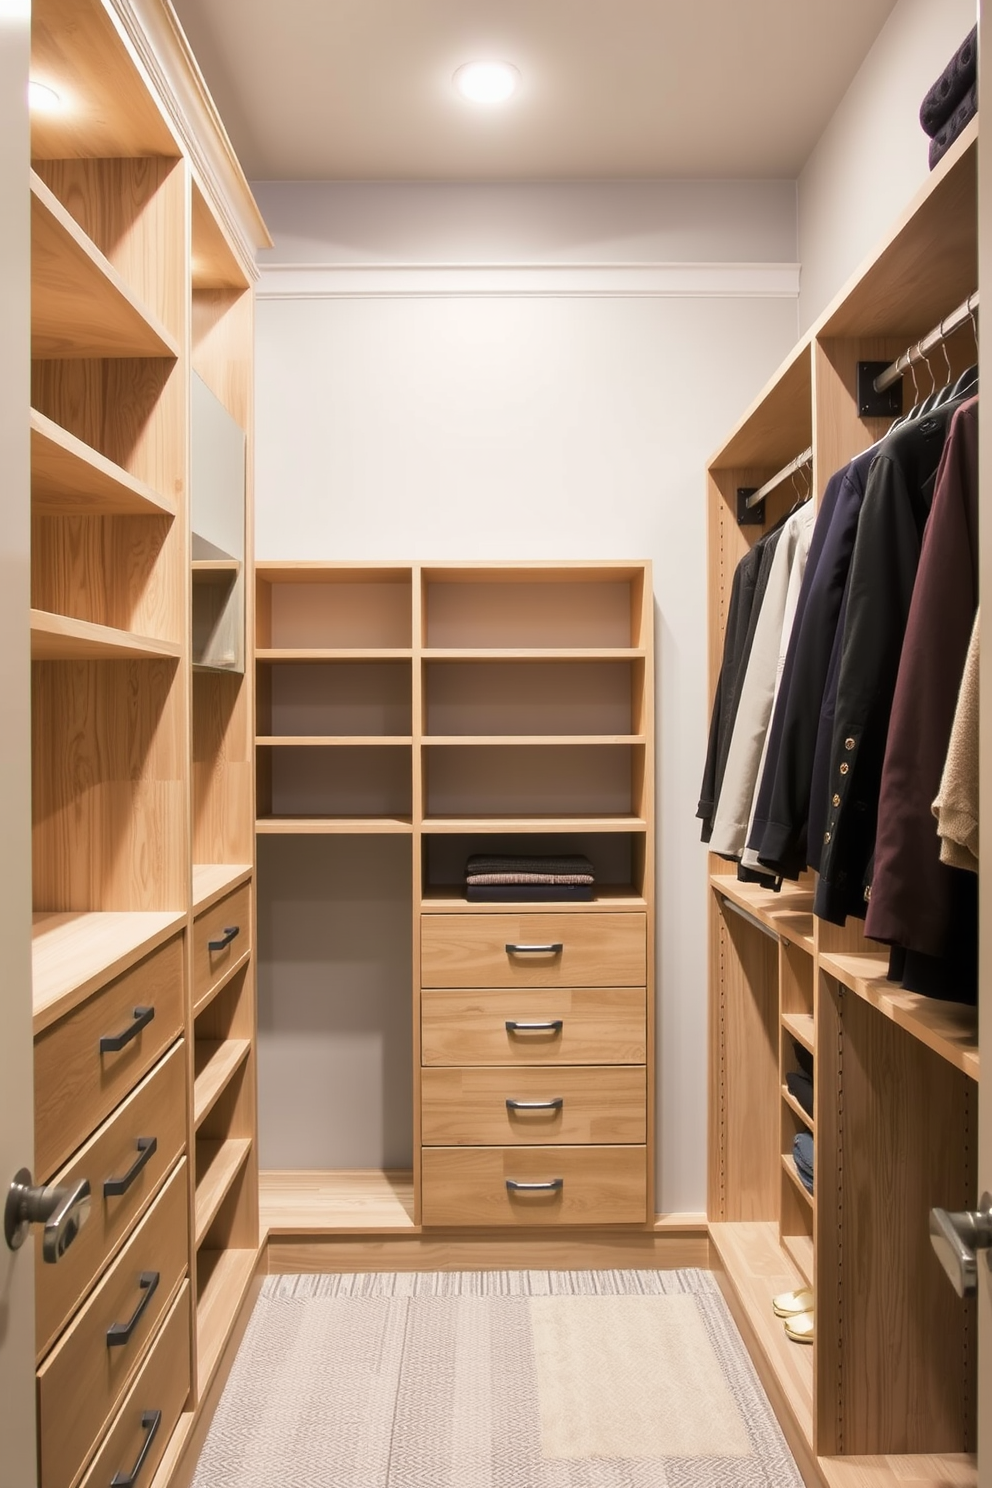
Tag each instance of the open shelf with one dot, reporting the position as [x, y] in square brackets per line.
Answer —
[334, 653]
[218, 1164]
[794, 1106]
[485, 825]
[223, 1277]
[371, 1200]
[211, 881]
[789, 1168]
[215, 570]
[788, 914]
[347, 826]
[801, 1027]
[215, 1063]
[533, 653]
[799, 1248]
[69, 478]
[331, 741]
[74, 952]
[949, 1029]
[512, 741]
[61, 638]
[607, 898]
[80, 305]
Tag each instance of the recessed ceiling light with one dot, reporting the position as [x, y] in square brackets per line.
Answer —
[487, 82]
[43, 100]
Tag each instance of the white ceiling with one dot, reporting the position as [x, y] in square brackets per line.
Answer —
[361, 89]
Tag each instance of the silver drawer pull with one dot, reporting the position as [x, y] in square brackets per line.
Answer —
[554, 949]
[553, 1185]
[553, 1025]
[548, 1105]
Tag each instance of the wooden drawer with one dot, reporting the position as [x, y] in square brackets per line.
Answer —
[83, 1379]
[160, 1390]
[157, 1108]
[599, 1025]
[596, 950]
[599, 1185]
[75, 1084]
[215, 925]
[468, 1107]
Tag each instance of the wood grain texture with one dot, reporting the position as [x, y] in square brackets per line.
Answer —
[223, 1281]
[74, 954]
[75, 1085]
[370, 1201]
[217, 1061]
[219, 1160]
[467, 1185]
[600, 1026]
[82, 1381]
[223, 347]
[566, 1249]
[213, 924]
[468, 1107]
[607, 899]
[65, 638]
[223, 784]
[471, 951]
[778, 425]
[156, 1108]
[69, 478]
[214, 263]
[211, 881]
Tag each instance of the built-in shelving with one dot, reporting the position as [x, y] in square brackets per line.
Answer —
[333, 653]
[789, 1168]
[74, 952]
[346, 826]
[211, 881]
[63, 638]
[517, 741]
[218, 1163]
[332, 741]
[802, 1027]
[533, 653]
[215, 1063]
[545, 825]
[607, 899]
[372, 1201]
[215, 570]
[795, 1107]
[69, 478]
[223, 1278]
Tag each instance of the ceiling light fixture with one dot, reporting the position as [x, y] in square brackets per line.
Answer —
[487, 82]
[43, 99]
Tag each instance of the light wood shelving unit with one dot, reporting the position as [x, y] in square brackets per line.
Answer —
[887, 1391]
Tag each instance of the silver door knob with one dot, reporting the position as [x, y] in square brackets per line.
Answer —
[957, 1239]
[63, 1212]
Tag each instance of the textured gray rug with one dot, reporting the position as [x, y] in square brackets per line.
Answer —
[527, 1379]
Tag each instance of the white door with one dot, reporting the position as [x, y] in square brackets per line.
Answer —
[17, 1408]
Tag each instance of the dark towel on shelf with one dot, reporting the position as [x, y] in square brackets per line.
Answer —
[802, 1156]
[804, 1058]
[542, 866]
[955, 126]
[533, 893]
[800, 1087]
[951, 87]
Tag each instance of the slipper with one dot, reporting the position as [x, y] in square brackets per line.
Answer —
[791, 1304]
[800, 1329]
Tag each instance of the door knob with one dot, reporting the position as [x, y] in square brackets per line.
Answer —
[957, 1239]
[63, 1212]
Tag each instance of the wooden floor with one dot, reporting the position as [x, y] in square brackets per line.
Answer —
[302, 1203]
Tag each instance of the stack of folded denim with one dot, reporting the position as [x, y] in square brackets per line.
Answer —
[802, 1156]
[952, 102]
[528, 879]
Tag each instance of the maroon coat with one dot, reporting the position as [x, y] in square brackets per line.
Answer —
[912, 901]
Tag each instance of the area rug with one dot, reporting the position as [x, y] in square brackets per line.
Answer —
[525, 1379]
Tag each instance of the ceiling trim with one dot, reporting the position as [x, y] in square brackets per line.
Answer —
[294, 281]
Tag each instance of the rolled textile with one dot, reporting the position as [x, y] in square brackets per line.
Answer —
[955, 126]
[954, 83]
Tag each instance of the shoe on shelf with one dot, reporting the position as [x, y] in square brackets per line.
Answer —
[791, 1304]
[800, 1329]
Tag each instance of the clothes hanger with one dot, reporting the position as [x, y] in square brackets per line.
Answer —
[931, 398]
[946, 392]
[912, 412]
[801, 497]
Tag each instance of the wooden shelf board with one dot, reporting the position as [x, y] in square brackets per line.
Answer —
[788, 914]
[794, 1106]
[340, 826]
[533, 653]
[935, 1470]
[62, 638]
[950, 1029]
[779, 423]
[566, 741]
[789, 1169]
[799, 1248]
[373, 1201]
[223, 1278]
[215, 570]
[449, 899]
[528, 824]
[69, 478]
[214, 264]
[291, 571]
[74, 953]
[757, 1268]
[333, 741]
[216, 988]
[215, 1063]
[801, 1026]
[533, 571]
[221, 1162]
[80, 305]
[272, 654]
[211, 881]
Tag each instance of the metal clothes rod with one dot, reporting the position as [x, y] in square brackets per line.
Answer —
[918, 353]
[783, 475]
[751, 919]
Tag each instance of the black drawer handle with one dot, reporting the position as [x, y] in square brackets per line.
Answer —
[554, 949]
[555, 1104]
[147, 1146]
[120, 1333]
[230, 931]
[554, 1185]
[113, 1043]
[553, 1025]
[150, 1422]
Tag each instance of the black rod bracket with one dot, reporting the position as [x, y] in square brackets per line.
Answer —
[877, 405]
[749, 516]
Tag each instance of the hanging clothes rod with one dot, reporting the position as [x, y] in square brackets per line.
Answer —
[937, 336]
[797, 464]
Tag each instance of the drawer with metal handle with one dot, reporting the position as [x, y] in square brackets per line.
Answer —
[581, 1025]
[534, 950]
[534, 1105]
[135, 1444]
[86, 1063]
[221, 938]
[125, 1162]
[84, 1377]
[533, 1186]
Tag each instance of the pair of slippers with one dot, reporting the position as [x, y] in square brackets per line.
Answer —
[796, 1310]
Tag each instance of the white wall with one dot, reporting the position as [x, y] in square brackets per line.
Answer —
[872, 157]
[434, 420]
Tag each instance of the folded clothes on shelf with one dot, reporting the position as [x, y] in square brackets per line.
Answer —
[954, 83]
[800, 1087]
[528, 878]
[802, 1156]
[804, 1058]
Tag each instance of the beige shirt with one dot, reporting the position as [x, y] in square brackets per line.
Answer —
[956, 806]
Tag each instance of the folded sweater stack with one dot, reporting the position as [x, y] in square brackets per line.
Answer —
[528, 879]
[802, 1156]
[952, 102]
